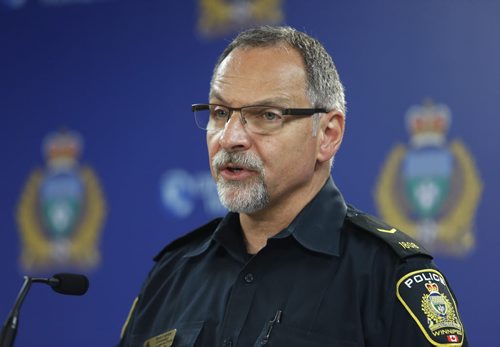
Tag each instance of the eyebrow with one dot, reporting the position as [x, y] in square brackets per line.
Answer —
[274, 101]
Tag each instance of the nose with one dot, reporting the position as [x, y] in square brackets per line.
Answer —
[235, 136]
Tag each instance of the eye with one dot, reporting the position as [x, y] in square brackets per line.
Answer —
[270, 115]
[220, 113]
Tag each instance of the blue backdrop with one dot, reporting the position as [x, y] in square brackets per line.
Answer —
[122, 75]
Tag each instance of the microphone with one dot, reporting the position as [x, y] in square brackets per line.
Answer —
[66, 283]
[63, 283]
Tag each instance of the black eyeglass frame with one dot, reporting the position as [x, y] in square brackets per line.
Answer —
[284, 111]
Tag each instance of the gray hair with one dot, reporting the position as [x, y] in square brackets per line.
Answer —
[324, 88]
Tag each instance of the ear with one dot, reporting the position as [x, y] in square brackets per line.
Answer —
[330, 134]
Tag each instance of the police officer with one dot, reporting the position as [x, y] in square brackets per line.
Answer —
[291, 264]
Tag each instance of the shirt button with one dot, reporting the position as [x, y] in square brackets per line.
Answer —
[249, 278]
[228, 342]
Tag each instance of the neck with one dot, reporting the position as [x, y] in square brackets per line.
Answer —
[259, 226]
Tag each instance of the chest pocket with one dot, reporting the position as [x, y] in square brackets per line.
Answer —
[287, 336]
[184, 335]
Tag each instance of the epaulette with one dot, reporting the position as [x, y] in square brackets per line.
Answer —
[401, 243]
[202, 231]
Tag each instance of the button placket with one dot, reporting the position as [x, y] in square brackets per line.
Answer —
[238, 305]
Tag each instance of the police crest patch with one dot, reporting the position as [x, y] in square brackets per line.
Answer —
[61, 209]
[427, 298]
[431, 188]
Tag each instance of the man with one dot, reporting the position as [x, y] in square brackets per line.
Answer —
[291, 264]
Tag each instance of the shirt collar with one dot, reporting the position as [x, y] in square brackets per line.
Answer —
[316, 227]
[228, 234]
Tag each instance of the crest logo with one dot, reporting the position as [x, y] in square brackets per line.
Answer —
[61, 209]
[430, 189]
[439, 310]
[219, 17]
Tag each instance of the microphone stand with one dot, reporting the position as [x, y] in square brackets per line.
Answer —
[9, 329]
[63, 283]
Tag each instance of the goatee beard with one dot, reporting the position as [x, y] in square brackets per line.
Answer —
[247, 196]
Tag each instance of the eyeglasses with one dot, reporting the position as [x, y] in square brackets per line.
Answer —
[257, 119]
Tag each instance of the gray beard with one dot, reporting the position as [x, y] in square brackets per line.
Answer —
[238, 196]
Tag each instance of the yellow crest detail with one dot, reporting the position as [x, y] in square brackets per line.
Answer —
[219, 17]
[439, 311]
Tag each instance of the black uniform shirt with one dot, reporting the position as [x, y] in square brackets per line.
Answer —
[327, 279]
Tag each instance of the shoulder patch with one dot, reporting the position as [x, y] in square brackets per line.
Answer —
[183, 240]
[401, 243]
[427, 298]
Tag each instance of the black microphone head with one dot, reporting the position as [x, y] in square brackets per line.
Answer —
[69, 284]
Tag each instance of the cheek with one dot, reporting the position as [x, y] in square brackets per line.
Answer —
[279, 158]
[212, 147]
[299, 157]
[212, 143]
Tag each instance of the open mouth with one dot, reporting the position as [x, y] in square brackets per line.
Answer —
[234, 169]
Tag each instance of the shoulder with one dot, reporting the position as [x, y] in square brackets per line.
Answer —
[399, 242]
[191, 239]
[427, 311]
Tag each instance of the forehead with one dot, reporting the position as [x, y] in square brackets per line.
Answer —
[250, 74]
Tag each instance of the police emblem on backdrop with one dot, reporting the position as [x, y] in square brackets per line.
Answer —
[219, 17]
[431, 188]
[61, 209]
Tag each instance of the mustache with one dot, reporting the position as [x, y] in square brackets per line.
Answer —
[246, 160]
